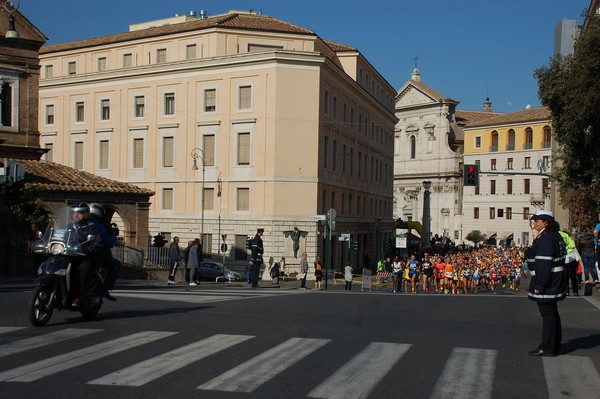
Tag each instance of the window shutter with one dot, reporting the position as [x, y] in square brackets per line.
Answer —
[168, 152]
[209, 149]
[244, 149]
[104, 154]
[138, 153]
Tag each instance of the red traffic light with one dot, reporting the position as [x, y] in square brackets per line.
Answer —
[471, 169]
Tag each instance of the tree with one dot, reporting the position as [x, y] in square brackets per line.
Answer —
[475, 236]
[570, 88]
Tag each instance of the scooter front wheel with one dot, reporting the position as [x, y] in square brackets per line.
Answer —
[40, 308]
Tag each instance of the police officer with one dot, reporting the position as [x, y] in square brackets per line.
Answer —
[546, 260]
[256, 256]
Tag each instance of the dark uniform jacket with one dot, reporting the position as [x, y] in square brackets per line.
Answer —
[546, 261]
[257, 249]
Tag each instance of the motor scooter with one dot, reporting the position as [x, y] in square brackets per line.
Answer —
[58, 277]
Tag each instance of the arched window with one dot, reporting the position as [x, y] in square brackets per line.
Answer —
[528, 139]
[511, 140]
[494, 147]
[413, 147]
[547, 137]
[6, 104]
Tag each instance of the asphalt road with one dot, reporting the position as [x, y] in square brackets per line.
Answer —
[230, 341]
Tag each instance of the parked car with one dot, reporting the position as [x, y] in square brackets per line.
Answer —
[212, 270]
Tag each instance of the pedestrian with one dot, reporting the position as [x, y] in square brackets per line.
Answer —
[174, 258]
[34, 235]
[546, 259]
[303, 271]
[318, 273]
[193, 262]
[348, 276]
[186, 257]
[571, 263]
[274, 272]
[586, 248]
[257, 256]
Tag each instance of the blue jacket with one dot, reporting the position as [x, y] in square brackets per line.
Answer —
[546, 260]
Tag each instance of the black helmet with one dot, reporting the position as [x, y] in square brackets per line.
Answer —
[81, 207]
[97, 210]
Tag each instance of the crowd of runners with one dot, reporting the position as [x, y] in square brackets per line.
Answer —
[487, 268]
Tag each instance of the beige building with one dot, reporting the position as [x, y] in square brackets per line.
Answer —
[286, 126]
[514, 152]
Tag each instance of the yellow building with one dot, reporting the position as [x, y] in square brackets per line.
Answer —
[286, 126]
[514, 153]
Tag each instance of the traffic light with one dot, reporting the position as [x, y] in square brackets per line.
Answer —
[355, 245]
[249, 243]
[159, 241]
[471, 175]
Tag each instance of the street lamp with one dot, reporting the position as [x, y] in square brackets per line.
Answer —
[547, 198]
[198, 153]
[426, 243]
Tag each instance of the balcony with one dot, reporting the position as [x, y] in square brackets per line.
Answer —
[494, 148]
[510, 147]
[527, 146]
[546, 144]
[537, 199]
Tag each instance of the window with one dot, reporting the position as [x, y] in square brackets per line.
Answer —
[492, 213]
[72, 68]
[360, 123]
[243, 199]
[208, 146]
[127, 60]
[169, 103]
[477, 189]
[508, 213]
[359, 163]
[50, 114]
[476, 213]
[527, 163]
[245, 97]
[324, 201]
[78, 155]
[509, 186]
[500, 213]
[478, 142]
[334, 156]
[492, 186]
[352, 118]
[6, 104]
[547, 137]
[101, 64]
[526, 186]
[139, 104]
[325, 152]
[79, 111]
[167, 199]
[243, 148]
[190, 52]
[168, 148]
[492, 164]
[494, 146]
[528, 145]
[49, 71]
[209, 199]
[525, 213]
[210, 100]
[351, 163]
[103, 148]
[335, 108]
[50, 153]
[413, 147]
[344, 159]
[343, 203]
[138, 153]
[333, 204]
[511, 140]
[326, 103]
[545, 184]
[105, 110]
[509, 164]
[545, 162]
[344, 113]
[161, 55]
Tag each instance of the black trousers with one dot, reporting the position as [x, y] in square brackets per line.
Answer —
[571, 271]
[551, 326]
[255, 273]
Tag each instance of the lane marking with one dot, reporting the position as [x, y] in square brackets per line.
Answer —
[151, 369]
[571, 376]
[43, 340]
[358, 377]
[56, 364]
[250, 375]
[9, 329]
[468, 373]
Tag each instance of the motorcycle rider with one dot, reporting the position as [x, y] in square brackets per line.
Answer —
[93, 249]
[109, 239]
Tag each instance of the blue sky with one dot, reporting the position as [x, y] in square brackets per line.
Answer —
[467, 49]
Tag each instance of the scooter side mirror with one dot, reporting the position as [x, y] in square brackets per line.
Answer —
[90, 237]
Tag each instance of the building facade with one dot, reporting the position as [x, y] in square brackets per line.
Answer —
[237, 121]
[514, 154]
[428, 147]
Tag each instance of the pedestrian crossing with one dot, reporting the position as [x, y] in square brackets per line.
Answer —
[467, 372]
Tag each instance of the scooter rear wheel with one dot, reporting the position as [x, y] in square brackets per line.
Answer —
[90, 311]
[40, 308]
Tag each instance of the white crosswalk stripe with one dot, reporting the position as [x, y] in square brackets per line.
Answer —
[43, 340]
[250, 375]
[151, 369]
[571, 376]
[201, 296]
[469, 373]
[56, 364]
[358, 377]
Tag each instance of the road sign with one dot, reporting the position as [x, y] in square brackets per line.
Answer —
[344, 237]
[318, 217]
